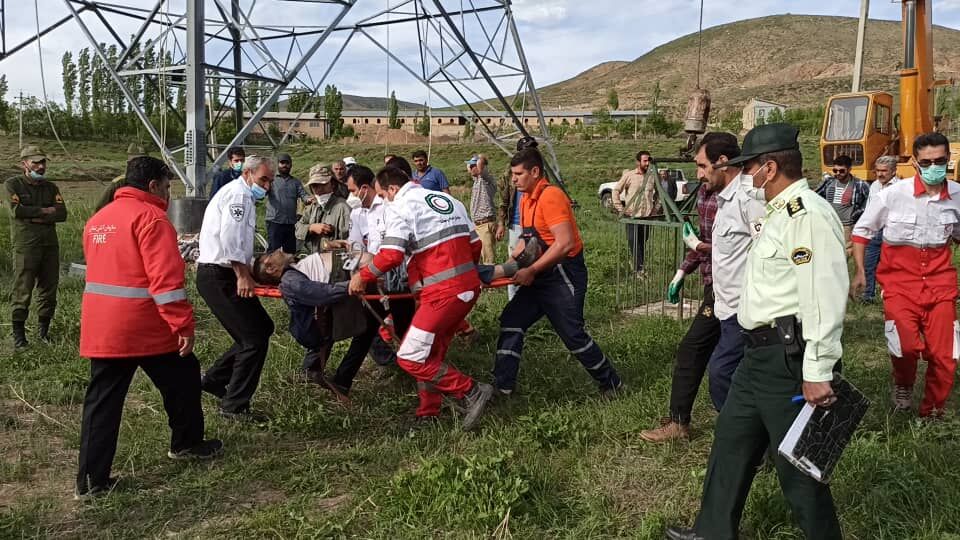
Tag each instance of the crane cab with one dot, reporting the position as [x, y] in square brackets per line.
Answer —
[859, 125]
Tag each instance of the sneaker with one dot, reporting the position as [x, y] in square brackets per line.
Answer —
[205, 450]
[613, 392]
[96, 491]
[668, 431]
[245, 415]
[474, 403]
[681, 533]
[902, 398]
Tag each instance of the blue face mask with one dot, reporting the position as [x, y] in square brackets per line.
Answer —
[258, 191]
[933, 175]
[237, 166]
[37, 176]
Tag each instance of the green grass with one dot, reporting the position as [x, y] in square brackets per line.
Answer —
[553, 463]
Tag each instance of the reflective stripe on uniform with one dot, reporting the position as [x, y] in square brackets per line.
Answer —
[394, 241]
[599, 364]
[427, 241]
[507, 352]
[447, 274]
[119, 291]
[444, 367]
[584, 348]
[507, 330]
[374, 270]
[474, 236]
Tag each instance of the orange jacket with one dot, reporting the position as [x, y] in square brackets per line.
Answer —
[134, 302]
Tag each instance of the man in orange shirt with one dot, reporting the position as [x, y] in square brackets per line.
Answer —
[555, 285]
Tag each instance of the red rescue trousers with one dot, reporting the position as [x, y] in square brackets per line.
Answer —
[922, 326]
[424, 347]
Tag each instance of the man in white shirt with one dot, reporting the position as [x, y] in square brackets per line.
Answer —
[886, 171]
[225, 282]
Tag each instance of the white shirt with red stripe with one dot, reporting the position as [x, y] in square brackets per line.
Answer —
[917, 230]
[436, 231]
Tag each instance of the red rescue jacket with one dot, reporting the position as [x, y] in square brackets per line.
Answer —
[134, 302]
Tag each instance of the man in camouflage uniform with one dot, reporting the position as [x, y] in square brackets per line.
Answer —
[36, 207]
[133, 151]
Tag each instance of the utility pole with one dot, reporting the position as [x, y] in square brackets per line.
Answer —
[861, 38]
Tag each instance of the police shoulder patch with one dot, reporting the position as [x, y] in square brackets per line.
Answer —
[795, 206]
[801, 255]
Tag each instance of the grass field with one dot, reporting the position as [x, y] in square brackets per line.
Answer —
[554, 463]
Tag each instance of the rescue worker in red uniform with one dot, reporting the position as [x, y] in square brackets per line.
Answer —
[918, 219]
[135, 313]
[434, 230]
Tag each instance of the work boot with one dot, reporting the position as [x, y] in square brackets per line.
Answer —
[19, 335]
[669, 430]
[681, 533]
[96, 491]
[205, 450]
[613, 392]
[902, 398]
[45, 329]
[474, 403]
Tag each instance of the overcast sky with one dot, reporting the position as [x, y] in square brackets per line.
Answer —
[561, 38]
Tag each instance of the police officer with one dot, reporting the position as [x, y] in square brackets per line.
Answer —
[133, 151]
[225, 282]
[36, 207]
[796, 275]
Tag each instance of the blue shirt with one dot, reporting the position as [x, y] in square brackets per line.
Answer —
[432, 179]
[518, 196]
[221, 179]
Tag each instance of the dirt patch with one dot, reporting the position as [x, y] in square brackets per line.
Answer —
[332, 504]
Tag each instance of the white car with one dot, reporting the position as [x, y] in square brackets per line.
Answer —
[684, 188]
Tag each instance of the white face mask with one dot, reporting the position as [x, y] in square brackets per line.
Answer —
[322, 199]
[353, 201]
[746, 183]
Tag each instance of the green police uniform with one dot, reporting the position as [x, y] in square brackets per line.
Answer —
[796, 267]
[36, 251]
[133, 151]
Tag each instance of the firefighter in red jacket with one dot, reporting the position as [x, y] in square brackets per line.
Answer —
[135, 313]
[920, 220]
[434, 230]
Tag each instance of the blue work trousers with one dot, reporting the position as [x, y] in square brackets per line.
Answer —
[724, 360]
[559, 294]
[870, 261]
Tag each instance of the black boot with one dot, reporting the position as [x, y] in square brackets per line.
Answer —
[45, 329]
[19, 335]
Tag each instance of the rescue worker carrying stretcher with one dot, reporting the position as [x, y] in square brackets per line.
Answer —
[434, 230]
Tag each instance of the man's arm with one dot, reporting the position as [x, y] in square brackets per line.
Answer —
[60, 208]
[862, 196]
[299, 288]
[164, 267]
[393, 247]
[305, 197]
[237, 242]
[871, 221]
[822, 188]
[341, 221]
[503, 208]
[21, 211]
[615, 192]
[818, 257]
[302, 228]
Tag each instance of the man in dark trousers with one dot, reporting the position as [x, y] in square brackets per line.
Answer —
[282, 207]
[135, 313]
[36, 207]
[225, 283]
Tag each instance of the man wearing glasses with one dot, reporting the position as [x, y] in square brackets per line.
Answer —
[919, 219]
[847, 193]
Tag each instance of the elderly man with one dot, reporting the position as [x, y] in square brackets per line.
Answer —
[36, 207]
[135, 314]
[482, 207]
[339, 170]
[638, 188]
[282, 207]
[326, 220]
[847, 194]
[235, 157]
[886, 171]
[225, 282]
[920, 221]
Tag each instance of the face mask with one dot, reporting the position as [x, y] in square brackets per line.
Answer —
[746, 183]
[933, 175]
[37, 176]
[353, 201]
[322, 199]
[258, 191]
[237, 166]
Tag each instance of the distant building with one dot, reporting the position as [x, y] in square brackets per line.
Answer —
[444, 123]
[757, 111]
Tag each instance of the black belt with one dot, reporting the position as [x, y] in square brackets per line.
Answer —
[764, 336]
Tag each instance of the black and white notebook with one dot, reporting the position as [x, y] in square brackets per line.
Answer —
[818, 436]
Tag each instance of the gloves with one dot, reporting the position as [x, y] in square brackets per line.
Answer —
[690, 237]
[673, 291]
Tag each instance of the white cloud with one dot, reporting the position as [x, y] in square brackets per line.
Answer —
[539, 11]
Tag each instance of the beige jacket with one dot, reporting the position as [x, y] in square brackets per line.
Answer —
[639, 192]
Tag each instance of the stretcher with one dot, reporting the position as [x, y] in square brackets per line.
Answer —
[274, 292]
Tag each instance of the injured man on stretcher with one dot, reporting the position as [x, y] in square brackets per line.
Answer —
[322, 313]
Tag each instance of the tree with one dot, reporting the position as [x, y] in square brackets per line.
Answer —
[469, 130]
[333, 110]
[69, 77]
[421, 126]
[149, 90]
[613, 99]
[394, 122]
[775, 116]
[252, 94]
[4, 107]
[83, 82]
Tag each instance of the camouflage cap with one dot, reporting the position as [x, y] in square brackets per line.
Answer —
[319, 174]
[136, 150]
[32, 153]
